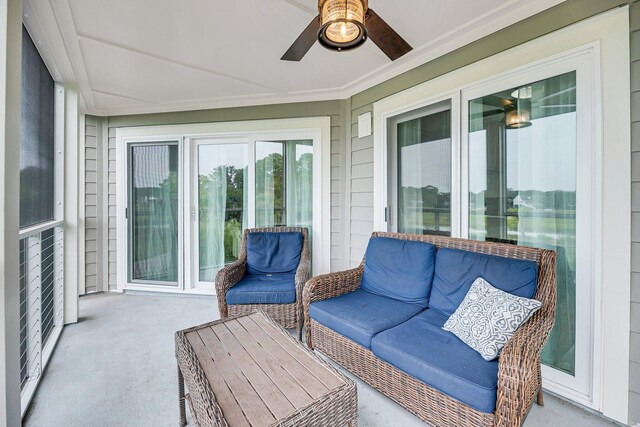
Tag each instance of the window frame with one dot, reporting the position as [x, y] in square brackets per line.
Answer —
[393, 161]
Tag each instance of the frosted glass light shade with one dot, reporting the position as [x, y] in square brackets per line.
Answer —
[342, 23]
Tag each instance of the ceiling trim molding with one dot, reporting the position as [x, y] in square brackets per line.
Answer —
[212, 103]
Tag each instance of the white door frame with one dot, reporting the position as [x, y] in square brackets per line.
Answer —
[603, 36]
[317, 129]
[123, 165]
[191, 207]
[382, 179]
[583, 61]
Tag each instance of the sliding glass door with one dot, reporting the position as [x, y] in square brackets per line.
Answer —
[221, 205]
[153, 213]
[420, 171]
[240, 184]
[528, 164]
[522, 186]
[186, 193]
[284, 183]
[519, 172]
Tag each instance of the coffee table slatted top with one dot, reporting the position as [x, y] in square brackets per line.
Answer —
[258, 373]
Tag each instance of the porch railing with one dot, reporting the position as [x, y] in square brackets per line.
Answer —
[41, 301]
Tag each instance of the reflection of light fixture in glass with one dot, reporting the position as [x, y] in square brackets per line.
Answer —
[522, 93]
[520, 114]
[518, 118]
[342, 23]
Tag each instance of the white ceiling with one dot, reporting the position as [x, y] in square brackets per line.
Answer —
[141, 56]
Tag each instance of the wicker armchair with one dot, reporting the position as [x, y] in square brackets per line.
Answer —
[519, 380]
[287, 315]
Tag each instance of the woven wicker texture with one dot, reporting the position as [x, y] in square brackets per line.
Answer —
[335, 408]
[287, 315]
[519, 363]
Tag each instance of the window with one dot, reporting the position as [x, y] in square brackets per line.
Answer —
[222, 197]
[420, 171]
[154, 213]
[522, 186]
[284, 183]
[37, 145]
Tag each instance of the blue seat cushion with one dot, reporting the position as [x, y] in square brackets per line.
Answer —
[422, 349]
[399, 269]
[264, 289]
[456, 270]
[269, 253]
[359, 315]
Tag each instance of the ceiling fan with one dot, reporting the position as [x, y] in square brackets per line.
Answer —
[344, 25]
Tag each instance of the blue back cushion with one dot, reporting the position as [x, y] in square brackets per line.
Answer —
[269, 253]
[456, 271]
[399, 269]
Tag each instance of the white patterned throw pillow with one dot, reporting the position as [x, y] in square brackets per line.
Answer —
[488, 317]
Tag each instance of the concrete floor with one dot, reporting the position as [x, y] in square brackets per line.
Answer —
[116, 367]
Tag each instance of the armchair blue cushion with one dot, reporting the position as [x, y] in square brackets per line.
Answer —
[359, 315]
[456, 270]
[399, 269]
[264, 289]
[422, 349]
[270, 253]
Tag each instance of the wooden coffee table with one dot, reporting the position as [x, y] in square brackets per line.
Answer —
[248, 371]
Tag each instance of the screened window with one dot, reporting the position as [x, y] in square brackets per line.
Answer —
[37, 137]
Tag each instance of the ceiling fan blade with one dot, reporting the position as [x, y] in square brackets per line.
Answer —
[303, 43]
[385, 37]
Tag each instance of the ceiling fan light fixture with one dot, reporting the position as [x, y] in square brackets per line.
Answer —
[342, 23]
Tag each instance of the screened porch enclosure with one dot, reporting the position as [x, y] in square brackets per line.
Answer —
[133, 196]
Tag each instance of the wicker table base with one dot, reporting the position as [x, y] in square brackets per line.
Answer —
[248, 371]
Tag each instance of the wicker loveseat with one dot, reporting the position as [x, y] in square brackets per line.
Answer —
[272, 267]
[396, 342]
